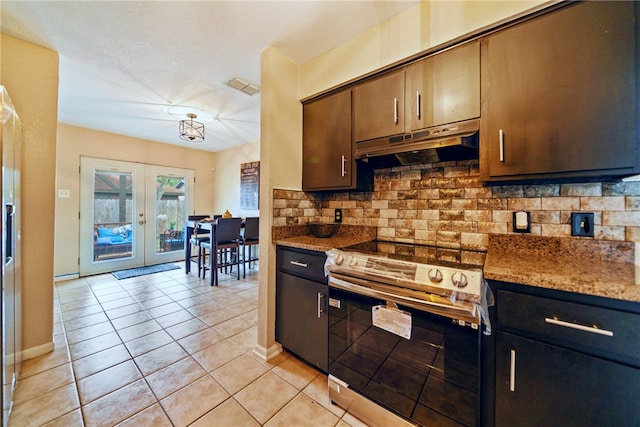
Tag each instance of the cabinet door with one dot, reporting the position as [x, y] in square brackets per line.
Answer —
[301, 318]
[542, 385]
[559, 94]
[378, 107]
[444, 88]
[326, 148]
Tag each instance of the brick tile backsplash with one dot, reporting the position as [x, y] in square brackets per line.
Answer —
[445, 204]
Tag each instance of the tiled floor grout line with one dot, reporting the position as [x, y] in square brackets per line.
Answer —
[116, 329]
[91, 292]
[144, 377]
[189, 355]
[133, 358]
[147, 310]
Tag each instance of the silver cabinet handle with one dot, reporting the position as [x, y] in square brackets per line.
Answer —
[395, 110]
[320, 308]
[501, 133]
[344, 164]
[418, 104]
[299, 264]
[592, 329]
[512, 371]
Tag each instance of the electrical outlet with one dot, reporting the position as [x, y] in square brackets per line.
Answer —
[522, 222]
[582, 224]
[337, 215]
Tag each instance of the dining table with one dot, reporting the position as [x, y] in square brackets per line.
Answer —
[190, 227]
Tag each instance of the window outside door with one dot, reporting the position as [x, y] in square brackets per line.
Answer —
[131, 214]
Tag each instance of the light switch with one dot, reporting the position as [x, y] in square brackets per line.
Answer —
[64, 194]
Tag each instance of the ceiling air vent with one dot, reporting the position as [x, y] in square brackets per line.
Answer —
[243, 86]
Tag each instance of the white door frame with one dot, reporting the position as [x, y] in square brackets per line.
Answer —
[143, 211]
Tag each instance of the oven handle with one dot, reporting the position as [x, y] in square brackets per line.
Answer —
[363, 290]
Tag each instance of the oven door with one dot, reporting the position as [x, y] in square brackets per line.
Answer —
[417, 365]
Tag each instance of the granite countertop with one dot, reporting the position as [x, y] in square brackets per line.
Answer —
[592, 267]
[299, 236]
[600, 268]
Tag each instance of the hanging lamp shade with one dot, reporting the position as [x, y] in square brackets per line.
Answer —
[191, 130]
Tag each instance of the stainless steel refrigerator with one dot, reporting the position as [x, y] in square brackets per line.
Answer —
[11, 149]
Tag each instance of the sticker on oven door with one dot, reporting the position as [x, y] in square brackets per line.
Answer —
[393, 320]
[334, 302]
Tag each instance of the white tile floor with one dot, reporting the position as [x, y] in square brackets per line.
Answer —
[166, 349]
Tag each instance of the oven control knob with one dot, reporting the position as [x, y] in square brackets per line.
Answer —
[435, 275]
[459, 280]
[339, 259]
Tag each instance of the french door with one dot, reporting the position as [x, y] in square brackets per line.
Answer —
[131, 214]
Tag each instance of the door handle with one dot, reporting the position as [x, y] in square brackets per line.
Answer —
[501, 136]
[512, 371]
[320, 305]
[344, 169]
[395, 110]
[418, 104]
[299, 264]
[592, 329]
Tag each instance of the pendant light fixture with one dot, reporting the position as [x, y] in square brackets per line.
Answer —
[191, 130]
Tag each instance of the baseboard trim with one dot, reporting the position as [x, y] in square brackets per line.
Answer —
[34, 352]
[63, 277]
[267, 354]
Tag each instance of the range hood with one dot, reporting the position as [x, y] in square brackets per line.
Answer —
[456, 141]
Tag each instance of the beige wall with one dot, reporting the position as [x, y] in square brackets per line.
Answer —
[30, 74]
[281, 167]
[424, 26]
[225, 173]
[214, 191]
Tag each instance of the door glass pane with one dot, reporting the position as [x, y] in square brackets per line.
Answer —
[113, 220]
[170, 212]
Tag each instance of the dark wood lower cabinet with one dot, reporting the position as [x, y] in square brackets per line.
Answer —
[301, 306]
[562, 359]
[555, 386]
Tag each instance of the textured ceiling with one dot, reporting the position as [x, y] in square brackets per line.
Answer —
[137, 67]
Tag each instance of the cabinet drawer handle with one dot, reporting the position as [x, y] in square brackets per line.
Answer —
[501, 134]
[299, 264]
[592, 329]
[320, 308]
[418, 104]
[512, 371]
[395, 110]
[344, 169]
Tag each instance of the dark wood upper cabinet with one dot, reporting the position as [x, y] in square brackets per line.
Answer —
[328, 162]
[559, 95]
[437, 90]
[443, 88]
[378, 107]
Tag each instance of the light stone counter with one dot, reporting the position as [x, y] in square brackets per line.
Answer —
[592, 267]
[299, 236]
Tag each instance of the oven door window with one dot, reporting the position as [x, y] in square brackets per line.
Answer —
[430, 378]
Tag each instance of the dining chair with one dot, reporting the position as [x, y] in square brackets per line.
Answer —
[226, 253]
[198, 237]
[250, 239]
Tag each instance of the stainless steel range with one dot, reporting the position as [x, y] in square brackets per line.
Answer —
[405, 334]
